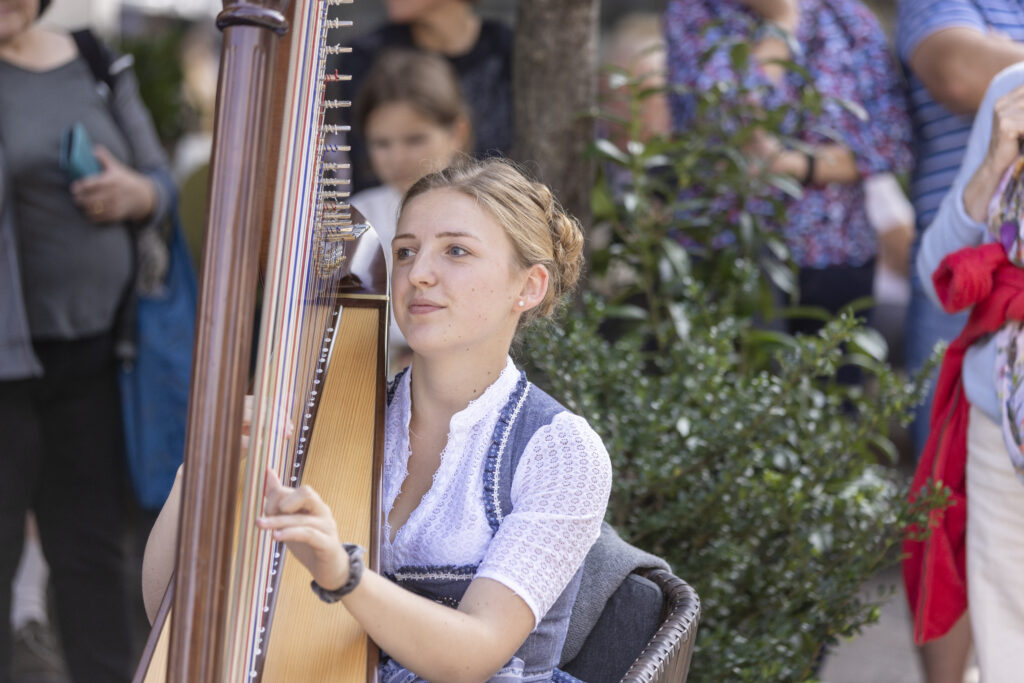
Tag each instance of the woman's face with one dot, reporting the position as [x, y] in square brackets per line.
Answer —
[16, 16]
[404, 146]
[456, 281]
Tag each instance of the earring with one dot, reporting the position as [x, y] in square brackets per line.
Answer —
[521, 303]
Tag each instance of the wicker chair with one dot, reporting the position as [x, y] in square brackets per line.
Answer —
[645, 634]
[667, 655]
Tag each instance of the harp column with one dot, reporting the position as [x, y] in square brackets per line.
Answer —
[234, 223]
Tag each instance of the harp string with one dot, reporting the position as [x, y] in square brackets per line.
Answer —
[297, 325]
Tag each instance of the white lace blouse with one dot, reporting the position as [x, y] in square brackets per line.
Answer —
[559, 494]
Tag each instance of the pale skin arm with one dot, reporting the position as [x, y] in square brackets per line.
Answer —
[833, 162]
[1003, 148]
[161, 547]
[158, 558]
[434, 641]
[957, 64]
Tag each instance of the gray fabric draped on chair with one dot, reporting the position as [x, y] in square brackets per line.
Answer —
[634, 621]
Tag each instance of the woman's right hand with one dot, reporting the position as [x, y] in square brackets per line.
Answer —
[117, 193]
[1007, 131]
[299, 518]
[1004, 146]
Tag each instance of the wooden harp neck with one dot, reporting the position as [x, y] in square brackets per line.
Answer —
[223, 334]
[246, 163]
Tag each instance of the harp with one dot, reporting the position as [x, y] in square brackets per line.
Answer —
[236, 608]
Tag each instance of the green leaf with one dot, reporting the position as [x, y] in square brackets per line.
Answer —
[778, 248]
[739, 55]
[853, 107]
[608, 150]
[863, 303]
[747, 230]
[657, 160]
[787, 184]
[680, 320]
[886, 446]
[677, 256]
[770, 338]
[626, 312]
[871, 342]
[780, 275]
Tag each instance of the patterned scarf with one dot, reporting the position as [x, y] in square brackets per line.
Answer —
[1006, 225]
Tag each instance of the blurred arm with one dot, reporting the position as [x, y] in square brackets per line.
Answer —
[956, 65]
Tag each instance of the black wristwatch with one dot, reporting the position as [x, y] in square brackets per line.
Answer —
[355, 573]
[808, 178]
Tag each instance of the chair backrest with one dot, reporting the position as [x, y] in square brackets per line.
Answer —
[626, 624]
[668, 653]
[645, 632]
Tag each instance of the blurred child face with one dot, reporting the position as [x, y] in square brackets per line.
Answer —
[411, 11]
[404, 145]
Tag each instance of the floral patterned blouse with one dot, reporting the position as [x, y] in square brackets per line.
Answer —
[844, 50]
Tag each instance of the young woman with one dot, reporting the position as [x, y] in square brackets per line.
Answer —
[414, 121]
[493, 493]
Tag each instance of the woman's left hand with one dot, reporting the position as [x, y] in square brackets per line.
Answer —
[115, 194]
[768, 154]
[299, 518]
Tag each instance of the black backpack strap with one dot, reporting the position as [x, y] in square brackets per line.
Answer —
[99, 58]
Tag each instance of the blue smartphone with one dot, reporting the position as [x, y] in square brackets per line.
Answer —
[76, 156]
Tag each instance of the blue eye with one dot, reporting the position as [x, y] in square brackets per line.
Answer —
[456, 250]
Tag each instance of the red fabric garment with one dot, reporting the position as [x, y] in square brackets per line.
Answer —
[934, 569]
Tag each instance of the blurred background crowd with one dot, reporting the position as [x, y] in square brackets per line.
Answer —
[855, 179]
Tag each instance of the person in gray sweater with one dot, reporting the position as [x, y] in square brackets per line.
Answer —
[67, 266]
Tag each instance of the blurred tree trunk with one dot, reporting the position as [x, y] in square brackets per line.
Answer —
[555, 90]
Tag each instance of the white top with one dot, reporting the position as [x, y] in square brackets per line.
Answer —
[559, 494]
[379, 205]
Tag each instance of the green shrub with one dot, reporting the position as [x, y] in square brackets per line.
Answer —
[737, 456]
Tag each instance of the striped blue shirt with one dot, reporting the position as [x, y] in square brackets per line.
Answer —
[939, 135]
